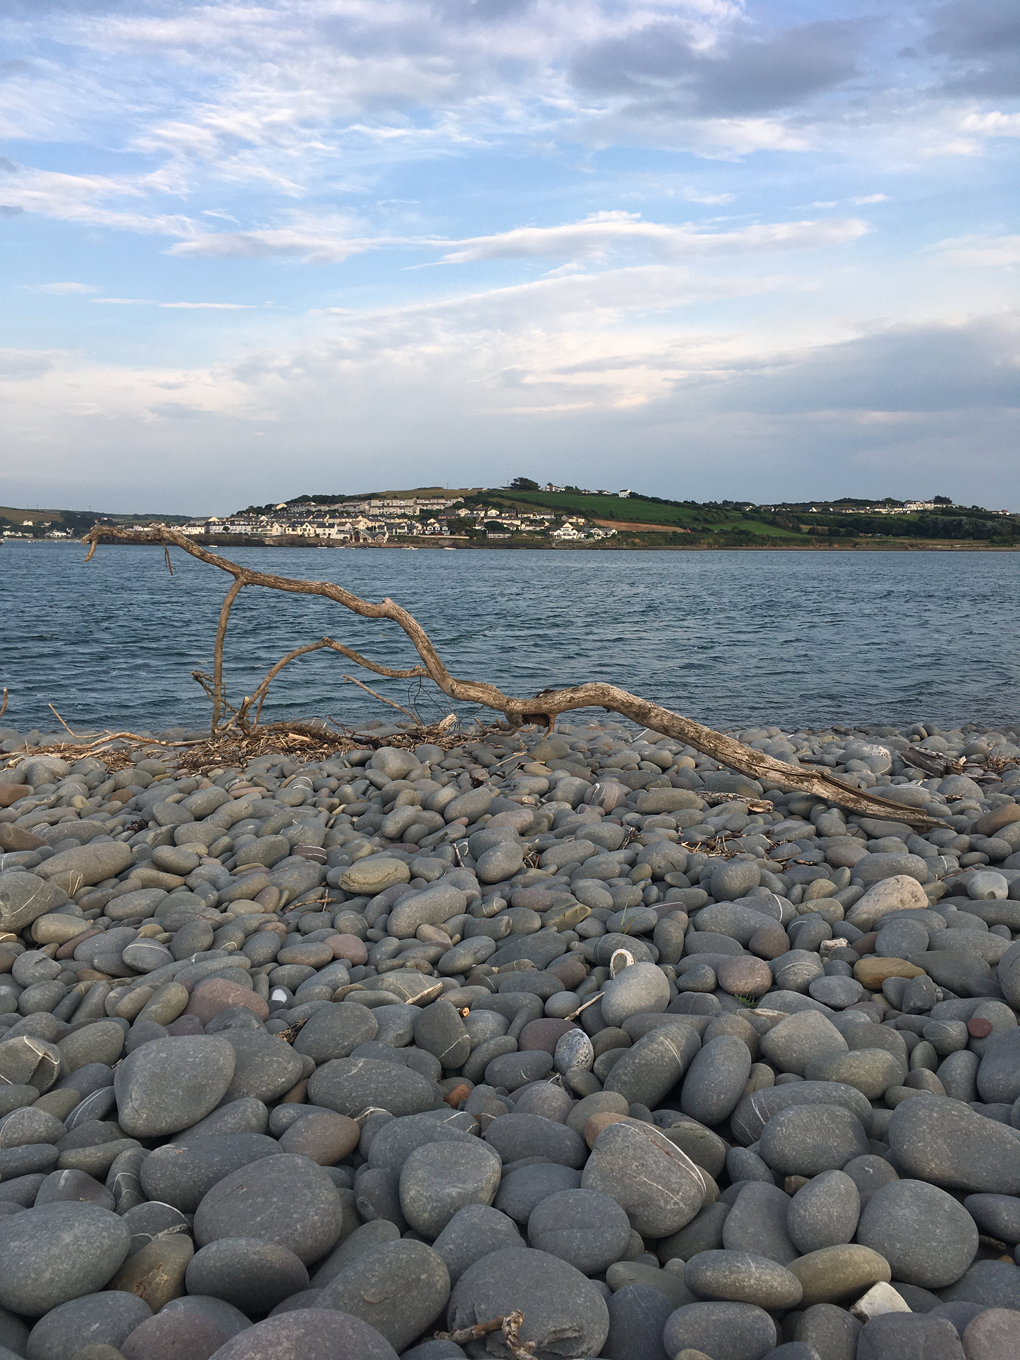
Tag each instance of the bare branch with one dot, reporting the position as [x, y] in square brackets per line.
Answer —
[381, 697]
[3, 706]
[542, 708]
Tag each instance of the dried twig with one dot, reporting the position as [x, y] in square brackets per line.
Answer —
[510, 1326]
[3, 706]
[541, 709]
[381, 697]
[58, 718]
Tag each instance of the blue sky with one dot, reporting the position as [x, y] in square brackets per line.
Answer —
[707, 249]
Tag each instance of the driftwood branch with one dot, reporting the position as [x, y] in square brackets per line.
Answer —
[542, 708]
[510, 1326]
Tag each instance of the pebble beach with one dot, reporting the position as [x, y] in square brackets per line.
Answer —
[322, 1059]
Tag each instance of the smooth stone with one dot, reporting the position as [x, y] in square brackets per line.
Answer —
[24, 897]
[374, 874]
[637, 1316]
[653, 1066]
[172, 1083]
[399, 1288]
[97, 1319]
[870, 1070]
[335, 1031]
[757, 1222]
[582, 1227]
[806, 1140]
[716, 1079]
[71, 870]
[57, 1253]
[475, 1231]
[899, 892]
[564, 1313]
[284, 1199]
[824, 1213]
[308, 1334]
[157, 1270]
[944, 1142]
[515, 1136]
[215, 995]
[439, 1179]
[640, 988]
[170, 1335]
[799, 1039]
[182, 1174]
[252, 1274]
[351, 1085]
[992, 1334]
[324, 1138]
[909, 1336]
[928, 1237]
[521, 1190]
[658, 1186]
[742, 1277]
[721, 1331]
[840, 1273]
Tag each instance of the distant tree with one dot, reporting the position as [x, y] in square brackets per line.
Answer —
[941, 500]
[523, 484]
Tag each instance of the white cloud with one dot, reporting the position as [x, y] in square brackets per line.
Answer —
[601, 232]
[992, 124]
[982, 252]
[186, 306]
[59, 289]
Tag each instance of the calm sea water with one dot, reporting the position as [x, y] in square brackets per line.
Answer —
[729, 638]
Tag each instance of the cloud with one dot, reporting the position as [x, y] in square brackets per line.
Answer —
[604, 231]
[59, 289]
[658, 67]
[992, 124]
[186, 306]
[311, 245]
[979, 251]
[979, 44]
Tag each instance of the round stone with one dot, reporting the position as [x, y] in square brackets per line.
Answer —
[284, 1199]
[182, 1174]
[325, 1137]
[97, 1319]
[169, 1335]
[56, 1253]
[399, 1288]
[351, 1085]
[837, 1274]
[641, 988]
[824, 1212]
[742, 1277]
[582, 1227]
[249, 1273]
[721, 1331]
[438, 1179]
[806, 1140]
[170, 1084]
[476, 1231]
[335, 1031]
[312, 1334]
[657, 1185]
[928, 1237]
[743, 975]
[716, 1079]
[564, 1313]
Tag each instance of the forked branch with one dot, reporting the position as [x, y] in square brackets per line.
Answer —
[543, 708]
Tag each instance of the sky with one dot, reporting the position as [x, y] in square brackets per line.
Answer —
[709, 250]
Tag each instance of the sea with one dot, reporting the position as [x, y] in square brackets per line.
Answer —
[730, 638]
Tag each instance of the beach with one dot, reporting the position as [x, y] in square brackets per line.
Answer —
[338, 1053]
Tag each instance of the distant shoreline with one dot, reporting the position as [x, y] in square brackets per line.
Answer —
[439, 544]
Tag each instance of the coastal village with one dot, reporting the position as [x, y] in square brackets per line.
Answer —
[380, 519]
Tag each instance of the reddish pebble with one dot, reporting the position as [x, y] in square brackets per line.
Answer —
[457, 1096]
[12, 793]
[979, 1029]
[348, 947]
[213, 995]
